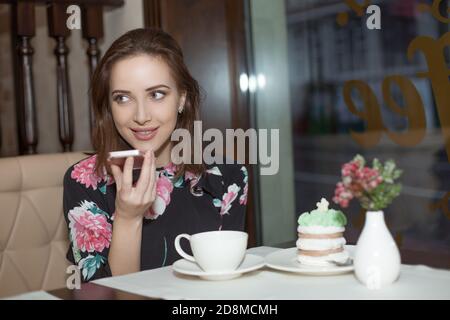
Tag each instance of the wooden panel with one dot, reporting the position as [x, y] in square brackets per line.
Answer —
[199, 26]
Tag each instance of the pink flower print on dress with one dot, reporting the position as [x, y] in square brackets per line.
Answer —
[170, 169]
[164, 188]
[228, 198]
[192, 177]
[84, 173]
[89, 231]
[108, 177]
[214, 170]
[243, 197]
[193, 182]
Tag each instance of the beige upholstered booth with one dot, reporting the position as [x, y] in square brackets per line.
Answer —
[33, 234]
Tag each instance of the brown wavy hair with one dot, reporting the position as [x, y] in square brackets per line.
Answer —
[156, 43]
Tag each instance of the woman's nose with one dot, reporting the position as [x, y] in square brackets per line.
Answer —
[143, 114]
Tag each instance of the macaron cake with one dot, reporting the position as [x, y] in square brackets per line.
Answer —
[321, 236]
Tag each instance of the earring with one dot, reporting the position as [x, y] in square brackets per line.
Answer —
[180, 110]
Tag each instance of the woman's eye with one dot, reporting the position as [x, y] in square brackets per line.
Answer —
[121, 99]
[158, 95]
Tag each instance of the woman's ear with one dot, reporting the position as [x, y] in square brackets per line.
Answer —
[182, 101]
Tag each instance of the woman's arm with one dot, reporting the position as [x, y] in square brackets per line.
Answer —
[125, 251]
[131, 204]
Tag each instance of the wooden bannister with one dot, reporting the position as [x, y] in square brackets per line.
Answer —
[152, 13]
[23, 26]
[23, 30]
[92, 22]
[57, 29]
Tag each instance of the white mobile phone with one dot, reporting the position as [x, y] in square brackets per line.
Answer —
[118, 158]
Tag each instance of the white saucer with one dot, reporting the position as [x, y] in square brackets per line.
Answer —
[286, 260]
[251, 262]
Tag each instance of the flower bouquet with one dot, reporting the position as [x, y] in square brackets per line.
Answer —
[375, 187]
[376, 257]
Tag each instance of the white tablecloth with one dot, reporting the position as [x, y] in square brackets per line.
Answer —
[415, 282]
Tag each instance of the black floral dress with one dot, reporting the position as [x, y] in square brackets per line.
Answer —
[191, 204]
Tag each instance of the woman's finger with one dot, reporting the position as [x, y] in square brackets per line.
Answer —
[117, 174]
[127, 175]
[144, 177]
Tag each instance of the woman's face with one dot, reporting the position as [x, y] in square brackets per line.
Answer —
[144, 101]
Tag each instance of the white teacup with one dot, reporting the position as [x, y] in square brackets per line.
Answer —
[215, 251]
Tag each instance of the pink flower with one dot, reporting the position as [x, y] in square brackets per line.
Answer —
[228, 198]
[89, 231]
[356, 181]
[344, 203]
[163, 188]
[342, 195]
[151, 214]
[349, 169]
[243, 197]
[192, 177]
[84, 173]
[170, 168]
[189, 175]
[370, 179]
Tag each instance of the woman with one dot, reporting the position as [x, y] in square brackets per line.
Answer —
[122, 220]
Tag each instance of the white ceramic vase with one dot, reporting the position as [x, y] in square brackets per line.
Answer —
[377, 258]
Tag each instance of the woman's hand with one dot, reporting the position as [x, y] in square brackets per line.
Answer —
[133, 202]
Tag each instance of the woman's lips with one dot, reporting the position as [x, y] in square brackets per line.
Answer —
[145, 135]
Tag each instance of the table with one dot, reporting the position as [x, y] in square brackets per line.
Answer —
[254, 285]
